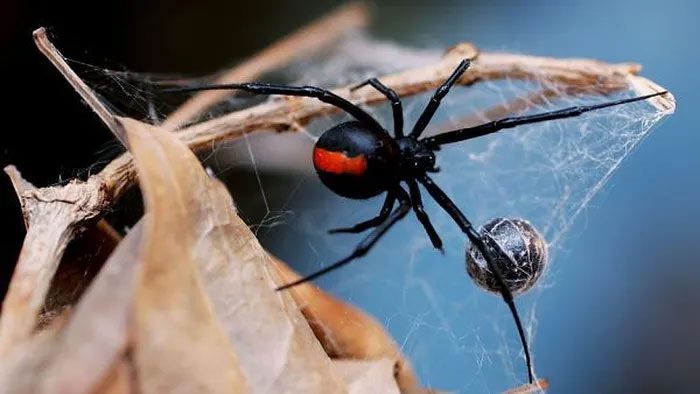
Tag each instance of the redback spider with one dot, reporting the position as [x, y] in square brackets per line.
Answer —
[359, 159]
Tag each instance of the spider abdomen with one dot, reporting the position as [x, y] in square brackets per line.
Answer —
[355, 161]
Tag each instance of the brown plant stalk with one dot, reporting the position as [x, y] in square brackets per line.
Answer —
[291, 113]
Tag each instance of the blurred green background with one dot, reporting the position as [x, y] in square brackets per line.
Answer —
[622, 314]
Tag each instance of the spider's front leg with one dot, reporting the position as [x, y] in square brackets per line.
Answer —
[374, 222]
[320, 94]
[393, 98]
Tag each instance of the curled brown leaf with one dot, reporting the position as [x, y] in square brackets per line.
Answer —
[179, 344]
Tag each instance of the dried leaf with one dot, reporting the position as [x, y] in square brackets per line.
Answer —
[180, 346]
[346, 332]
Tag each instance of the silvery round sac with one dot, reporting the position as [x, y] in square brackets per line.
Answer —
[523, 243]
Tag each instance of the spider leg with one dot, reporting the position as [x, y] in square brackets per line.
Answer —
[302, 91]
[366, 244]
[488, 249]
[374, 222]
[439, 94]
[393, 98]
[507, 123]
[423, 218]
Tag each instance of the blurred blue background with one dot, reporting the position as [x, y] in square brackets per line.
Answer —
[624, 313]
[621, 311]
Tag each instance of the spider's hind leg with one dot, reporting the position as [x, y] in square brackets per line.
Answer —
[374, 222]
[367, 243]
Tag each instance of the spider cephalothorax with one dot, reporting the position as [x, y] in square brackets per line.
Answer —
[360, 159]
[416, 157]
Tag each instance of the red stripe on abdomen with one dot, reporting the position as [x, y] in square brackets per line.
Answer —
[339, 163]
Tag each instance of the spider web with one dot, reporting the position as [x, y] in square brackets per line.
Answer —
[458, 337]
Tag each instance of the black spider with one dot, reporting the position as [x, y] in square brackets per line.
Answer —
[359, 160]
